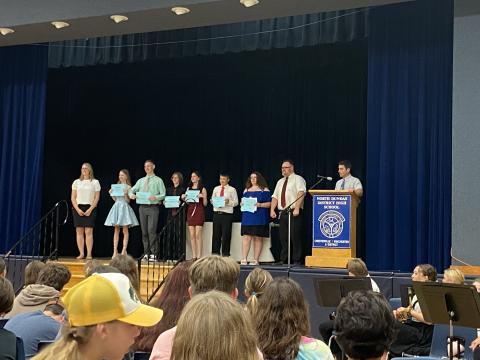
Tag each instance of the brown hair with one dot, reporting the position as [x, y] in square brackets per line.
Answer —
[357, 267]
[172, 299]
[127, 174]
[281, 319]
[255, 285]
[199, 184]
[428, 271]
[54, 275]
[214, 272]
[456, 276]
[213, 326]
[261, 182]
[180, 177]
[127, 266]
[32, 271]
[7, 295]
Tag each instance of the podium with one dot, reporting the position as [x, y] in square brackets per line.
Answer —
[334, 222]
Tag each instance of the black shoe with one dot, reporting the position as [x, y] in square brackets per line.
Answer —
[280, 262]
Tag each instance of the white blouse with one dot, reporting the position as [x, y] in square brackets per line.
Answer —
[86, 190]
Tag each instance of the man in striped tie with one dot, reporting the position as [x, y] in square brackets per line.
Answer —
[347, 181]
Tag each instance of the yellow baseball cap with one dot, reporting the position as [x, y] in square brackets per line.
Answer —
[106, 297]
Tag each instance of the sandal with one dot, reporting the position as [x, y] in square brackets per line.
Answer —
[244, 262]
[254, 262]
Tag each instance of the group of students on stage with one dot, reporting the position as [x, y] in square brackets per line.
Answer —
[258, 205]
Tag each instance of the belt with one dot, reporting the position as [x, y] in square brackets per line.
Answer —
[149, 205]
[222, 213]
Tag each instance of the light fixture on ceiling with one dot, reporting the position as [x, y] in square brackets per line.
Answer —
[60, 24]
[179, 10]
[249, 3]
[5, 31]
[118, 18]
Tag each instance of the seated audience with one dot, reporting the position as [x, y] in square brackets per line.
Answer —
[3, 268]
[129, 267]
[104, 316]
[32, 271]
[34, 327]
[476, 283]
[415, 334]
[212, 272]
[282, 324]
[214, 326]
[255, 285]
[364, 326]
[34, 297]
[356, 267]
[453, 276]
[8, 341]
[173, 298]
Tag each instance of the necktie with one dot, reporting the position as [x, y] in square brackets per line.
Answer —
[145, 184]
[222, 192]
[342, 187]
[283, 201]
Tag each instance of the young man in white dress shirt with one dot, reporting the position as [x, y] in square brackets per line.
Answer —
[288, 189]
[223, 216]
[347, 181]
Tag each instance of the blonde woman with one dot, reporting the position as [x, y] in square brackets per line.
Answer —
[453, 276]
[213, 326]
[85, 196]
[255, 285]
[104, 317]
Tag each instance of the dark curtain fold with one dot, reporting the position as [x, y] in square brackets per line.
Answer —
[23, 75]
[233, 112]
[408, 212]
[292, 31]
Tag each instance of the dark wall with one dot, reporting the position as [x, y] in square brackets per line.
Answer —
[233, 113]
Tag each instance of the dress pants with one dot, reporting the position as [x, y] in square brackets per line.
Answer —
[148, 222]
[295, 237]
[222, 233]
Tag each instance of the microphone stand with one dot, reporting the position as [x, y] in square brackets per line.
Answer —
[288, 210]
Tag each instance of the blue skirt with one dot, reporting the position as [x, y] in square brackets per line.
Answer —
[121, 214]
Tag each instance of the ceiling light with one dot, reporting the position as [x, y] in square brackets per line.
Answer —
[60, 24]
[248, 3]
[6, 31]
[118, 18]
[178, 10]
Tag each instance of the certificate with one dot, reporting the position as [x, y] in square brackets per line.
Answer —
[218, 201]
[191, 196]
[249, 204]
[171, 202]
[118, 190]
[142, 197]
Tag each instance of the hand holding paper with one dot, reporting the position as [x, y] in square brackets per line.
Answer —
[142, 197]
[218, 201]
[249, 204]
[117, 190]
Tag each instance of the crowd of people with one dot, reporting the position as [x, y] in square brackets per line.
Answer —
[150, 192]
[198, 316]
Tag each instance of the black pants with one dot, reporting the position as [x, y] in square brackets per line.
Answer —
[222, 233]
[295, 236]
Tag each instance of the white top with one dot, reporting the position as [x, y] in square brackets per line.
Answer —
[375, 287]
[229, 193]
[351, 183]
[295, 184]
[86, 190]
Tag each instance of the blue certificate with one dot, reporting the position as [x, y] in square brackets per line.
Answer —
[218, 201]
[118, 190]
[191, 196]
[142, 197]
[171, 202]
[249, 204]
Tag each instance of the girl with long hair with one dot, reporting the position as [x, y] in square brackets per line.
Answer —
[255, 285]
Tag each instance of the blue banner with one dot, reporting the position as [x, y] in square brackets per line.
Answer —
[331, 221]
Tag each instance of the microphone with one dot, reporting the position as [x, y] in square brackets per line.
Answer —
[324, 177]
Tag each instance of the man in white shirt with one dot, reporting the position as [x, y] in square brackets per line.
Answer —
[223, 216]
[347, 181]
[288, 189]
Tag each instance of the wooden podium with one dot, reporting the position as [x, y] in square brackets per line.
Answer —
[329, 252]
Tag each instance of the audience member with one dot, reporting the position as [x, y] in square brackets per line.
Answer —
[255, 285]
[104, 316]
[214, 326]
[32, 271]
[173, 298]
[212, 272]
[415, 334]
[3, 268]
[283, 325]
[476, 283]
[34, 327]
[127, 266]
[8, 342]
[356, 267]
[364, 326]
[34, 297]
[453, 276]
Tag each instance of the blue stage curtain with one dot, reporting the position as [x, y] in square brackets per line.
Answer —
[23, 76]
[409, 130]
[291, 31]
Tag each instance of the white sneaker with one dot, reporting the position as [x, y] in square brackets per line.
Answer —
[145, 257]
[153, 258]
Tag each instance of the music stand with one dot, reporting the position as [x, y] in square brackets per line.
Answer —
[330, 291]
[449, 304]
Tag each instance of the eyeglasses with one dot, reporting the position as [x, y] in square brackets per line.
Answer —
[286, 167]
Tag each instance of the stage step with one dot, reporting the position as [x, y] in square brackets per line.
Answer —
[151, 272]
